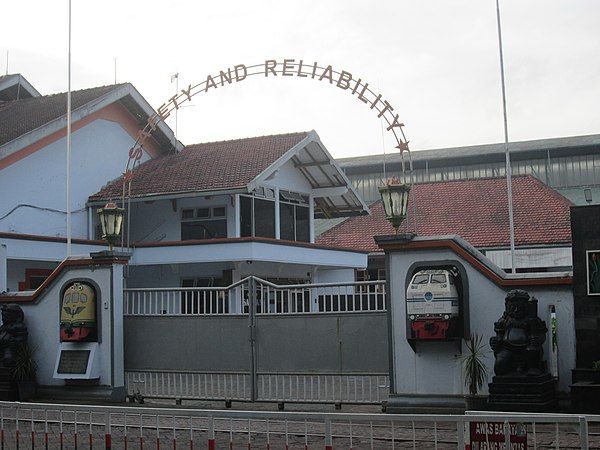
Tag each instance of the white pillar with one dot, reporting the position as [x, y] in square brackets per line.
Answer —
[116, 316]
[277, 216]
[311, 219]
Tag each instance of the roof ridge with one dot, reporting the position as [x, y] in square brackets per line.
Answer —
[104, 86]
[59, 94]
[474, 179]
[228, 141]
[550, 191]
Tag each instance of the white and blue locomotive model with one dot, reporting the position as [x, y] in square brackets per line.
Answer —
[432, 304]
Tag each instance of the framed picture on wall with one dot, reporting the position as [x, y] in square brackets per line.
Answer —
[593, 272]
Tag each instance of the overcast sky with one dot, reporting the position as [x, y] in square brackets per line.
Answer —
[435, 61]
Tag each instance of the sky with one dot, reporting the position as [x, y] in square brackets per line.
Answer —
[435, 61]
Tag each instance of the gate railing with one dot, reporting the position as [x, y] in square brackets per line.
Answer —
[57, 426]
[268, 298]
[355, 388]
[323, 388]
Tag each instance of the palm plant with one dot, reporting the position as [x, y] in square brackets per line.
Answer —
[24, 366]
[476, 372]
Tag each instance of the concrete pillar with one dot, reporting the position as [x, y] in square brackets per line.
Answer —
[3, 269]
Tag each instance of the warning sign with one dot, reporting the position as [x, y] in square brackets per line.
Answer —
[490, 436]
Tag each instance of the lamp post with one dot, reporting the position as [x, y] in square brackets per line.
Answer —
[395, 201]
[111, 219]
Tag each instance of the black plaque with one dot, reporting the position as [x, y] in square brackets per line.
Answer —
[73, 361]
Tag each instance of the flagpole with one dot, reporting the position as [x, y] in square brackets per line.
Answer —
[175, 77]
[69, 140]
[506, 151]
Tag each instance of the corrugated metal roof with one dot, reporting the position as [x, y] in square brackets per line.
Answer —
[483, 153]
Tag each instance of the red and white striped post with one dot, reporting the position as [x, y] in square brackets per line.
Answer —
[107, 432]
[75, 431]
[91, 433]
[157, 433]
[211, 434]
[46, 436]
[141, 432]
[268, 437]
[17, 427]
[32, 431]
[61, 437]
[328, 438]
[174, 435]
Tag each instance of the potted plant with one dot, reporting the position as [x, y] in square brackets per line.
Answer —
[476, 372]
[24, 370]
[585, 389]
[587, 374]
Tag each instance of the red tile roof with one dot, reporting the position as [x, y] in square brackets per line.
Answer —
[19, 117]
[476, 210]
[205, 167]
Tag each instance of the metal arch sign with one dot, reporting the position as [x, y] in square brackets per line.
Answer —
[342, 79]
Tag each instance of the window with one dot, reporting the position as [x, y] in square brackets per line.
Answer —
[257, 213]
[264, 218]
[294, 223]
[421, 279]
[438, 278]
[203, 223]
[34, 279]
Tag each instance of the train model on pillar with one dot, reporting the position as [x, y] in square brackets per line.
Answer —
[432, 304]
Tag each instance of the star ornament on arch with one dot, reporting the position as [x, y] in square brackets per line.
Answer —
[402, 146]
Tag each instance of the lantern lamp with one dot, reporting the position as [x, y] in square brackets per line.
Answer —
[111, 219]
[395, 201]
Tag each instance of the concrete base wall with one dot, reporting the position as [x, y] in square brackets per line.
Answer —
[434, 368]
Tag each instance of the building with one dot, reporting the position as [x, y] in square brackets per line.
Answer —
[202, 215]
[476, 210]
[209, 215]
[570, 165]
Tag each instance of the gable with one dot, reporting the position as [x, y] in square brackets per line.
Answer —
[241, 166]
[15, 87]
[24, 123]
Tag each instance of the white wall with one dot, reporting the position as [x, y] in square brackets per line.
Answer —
[264, 269]
[333, 276]
[43, 318]
[289, 178]
[550, 257]
[99, 153]
[170, 275]
[435, 367]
